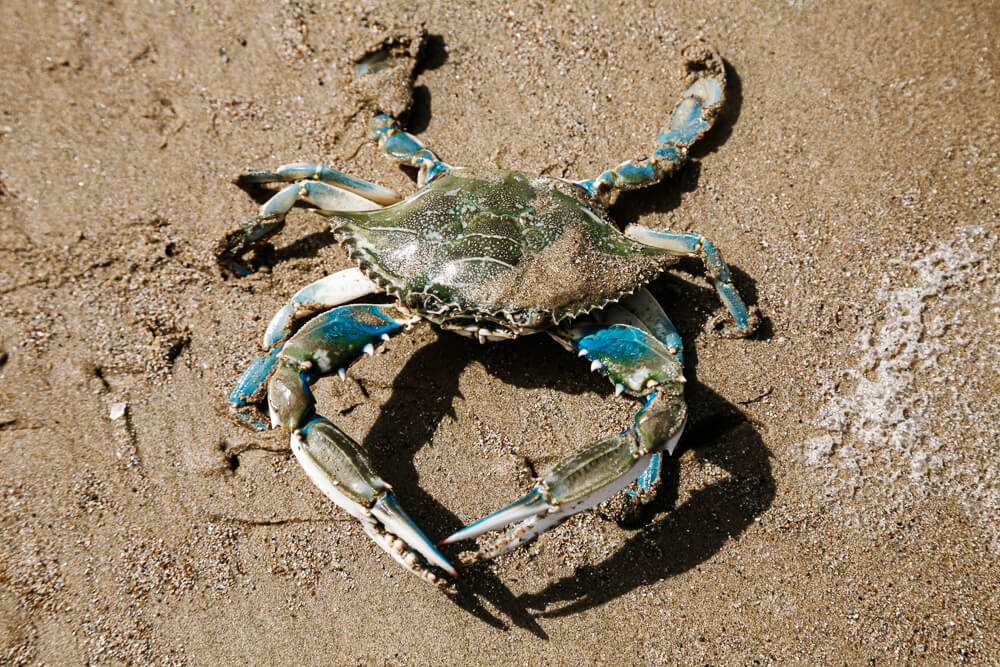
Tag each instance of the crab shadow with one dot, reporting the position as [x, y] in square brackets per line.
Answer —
[672, 535]
[422, 394]
[669, 537]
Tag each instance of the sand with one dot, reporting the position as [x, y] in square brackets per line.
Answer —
[834, 500]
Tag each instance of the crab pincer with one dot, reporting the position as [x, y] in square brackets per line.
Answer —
[640, 363]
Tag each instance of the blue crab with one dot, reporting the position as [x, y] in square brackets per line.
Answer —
[492, 255]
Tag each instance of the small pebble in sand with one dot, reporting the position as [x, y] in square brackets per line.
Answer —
[117, 410]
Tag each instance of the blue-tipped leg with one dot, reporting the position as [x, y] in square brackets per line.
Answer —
[406, 148]
[689, 121]
[695, 245]
[327, 189]
[310, 171]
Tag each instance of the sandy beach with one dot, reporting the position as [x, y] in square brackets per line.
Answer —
[835, 498]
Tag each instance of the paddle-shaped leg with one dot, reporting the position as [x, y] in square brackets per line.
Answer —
[689, 121]
[638, 363]
[390, 68]
[334, 461]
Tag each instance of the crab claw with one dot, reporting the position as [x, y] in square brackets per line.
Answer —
[408, 537]
[641, 364]
[582, 480]
[532, 504]
[333, 462]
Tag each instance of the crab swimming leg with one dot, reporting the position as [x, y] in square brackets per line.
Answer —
[639, 364]
[325, 293]
[689, 121]
[334, 461]
[323, 187]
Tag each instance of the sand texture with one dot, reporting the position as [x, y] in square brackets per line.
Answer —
[836, 496]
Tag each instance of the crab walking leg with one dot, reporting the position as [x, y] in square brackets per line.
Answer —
[333, 460]
[643, 366]
[689, 121]
[325, 293]
[394, 141]
[301, 171]
[406, 148]
[688, 244]
[344, 196]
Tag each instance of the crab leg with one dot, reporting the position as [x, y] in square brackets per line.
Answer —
[638, 363]
[301, 171]
[641, 309]
[695, 245]
[325, 293]
[406, 148]
[689, 121]
[399, 57]
[333, 460]
[329, 191]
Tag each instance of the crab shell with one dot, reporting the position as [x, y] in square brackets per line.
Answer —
[498, 254]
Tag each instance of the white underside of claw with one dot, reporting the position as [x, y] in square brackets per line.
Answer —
[561, 512]
[397, 524]
[386, 523]
[536, 516]
[322, 480]
[674, 439]
[341, 287]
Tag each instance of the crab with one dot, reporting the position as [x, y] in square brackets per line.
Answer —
[492, 255]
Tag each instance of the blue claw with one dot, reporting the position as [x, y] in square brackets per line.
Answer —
[632, 357]
[336, 338]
